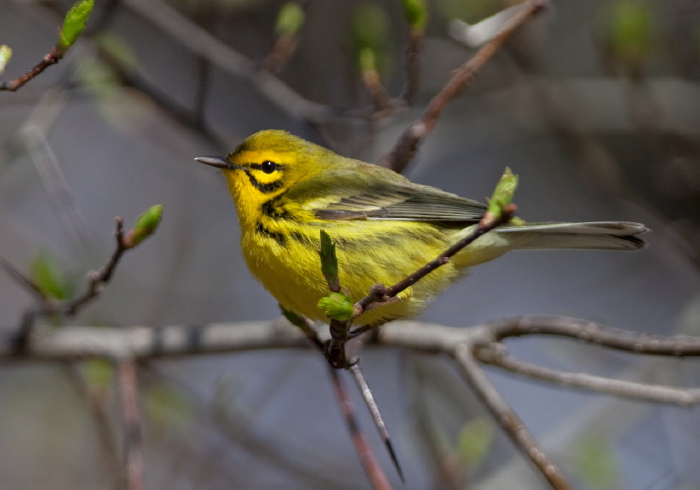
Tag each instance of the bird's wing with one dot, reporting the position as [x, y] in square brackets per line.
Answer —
[395, 199]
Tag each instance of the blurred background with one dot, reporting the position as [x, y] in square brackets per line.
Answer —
[595, 104]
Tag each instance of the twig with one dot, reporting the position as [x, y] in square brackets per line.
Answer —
[368, 460]
[139, 343]
[381, 99]
[496, 354]
[280, 53]
[145, 225]
[23, 280]
[379, 295]
[131, 421]
[595, 333]
[506, 417]
[407, 145]
[367, 395]
[364, 451]
[415, 47]
[102, 276]
[51, 58]
[202, 43]
[97, 408]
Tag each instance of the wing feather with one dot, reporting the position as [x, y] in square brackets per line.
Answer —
[387, 199]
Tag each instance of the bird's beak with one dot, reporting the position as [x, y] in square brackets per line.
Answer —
[218, 162]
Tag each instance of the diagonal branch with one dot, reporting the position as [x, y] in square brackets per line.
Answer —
[506, 417]
[408, 143]
[373, 470]
[497, 354]
[132, 426]
[380, 295]
[367, 395]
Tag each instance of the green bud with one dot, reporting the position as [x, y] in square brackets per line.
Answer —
[5, 55]
[98, 373]
[337, 306]
[503, 194]
[293, 318]
[146, 224]
[595, 462]
[49, 278]
[416, 13]
[631, 26]
[368, 61]
[168, 407]
[74, 22]
[370, 26]
[474, 441]
[329, 261]
[289, 19]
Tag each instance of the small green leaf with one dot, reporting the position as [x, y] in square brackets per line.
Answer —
[5, 55]
[98, 373]
[368, 61]
[290, 19]
[631, 30]
[370, 27]
[329, 262]
[596, 463]
[337, 306]
[416, 13]
[503, 194]
[74, 22]
[168, 407]
[474, 442]
[49, 278]
[146, 224]
[117, 48]
[293, 318]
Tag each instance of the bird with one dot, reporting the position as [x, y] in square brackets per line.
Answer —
[384, 226]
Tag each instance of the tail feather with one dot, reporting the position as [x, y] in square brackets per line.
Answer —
[602, 235]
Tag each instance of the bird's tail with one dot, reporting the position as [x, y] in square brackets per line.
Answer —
[601, 235]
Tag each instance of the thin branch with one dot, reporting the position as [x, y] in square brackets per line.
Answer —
[51, 58]
[507, 418]
[147, 343]
[496, 354]
[26, 282]
[383, 103]
[373, 470]
[97, 407]
[380, 295]
[595, 333]
[96, 279]
[407, 145]
[132, 427]
[367, 395]
[205, 45]
[414, 50]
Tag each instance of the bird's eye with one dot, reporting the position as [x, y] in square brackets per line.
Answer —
[268, 167]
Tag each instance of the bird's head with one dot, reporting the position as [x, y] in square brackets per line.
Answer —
[267, 164]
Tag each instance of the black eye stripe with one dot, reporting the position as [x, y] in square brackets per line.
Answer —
[265, 188]
[268, 166]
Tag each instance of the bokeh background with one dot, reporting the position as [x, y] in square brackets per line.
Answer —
[595, 104]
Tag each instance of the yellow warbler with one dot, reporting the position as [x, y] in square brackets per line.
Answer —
[286, 190]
